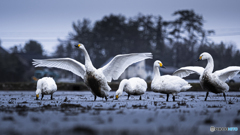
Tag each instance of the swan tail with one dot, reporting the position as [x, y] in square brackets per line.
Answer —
[186, 87]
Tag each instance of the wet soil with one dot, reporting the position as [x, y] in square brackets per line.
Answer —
[77, 113]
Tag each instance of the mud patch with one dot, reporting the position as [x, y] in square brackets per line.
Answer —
[83, 130]
[77, 113]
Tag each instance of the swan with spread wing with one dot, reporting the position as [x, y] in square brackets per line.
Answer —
[209, 81]
[96, 79]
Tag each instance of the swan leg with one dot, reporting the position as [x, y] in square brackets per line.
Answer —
[173, 98]
[140, 98]
[224, 96]
[128, 96]
[167, 97]
[95, 97]
[42, 96]
[51, 96]
[206, 96]
[106, 98]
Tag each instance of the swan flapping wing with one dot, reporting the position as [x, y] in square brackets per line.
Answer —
[62, 63]
[186, 71]
[227, 73]
[120, 62]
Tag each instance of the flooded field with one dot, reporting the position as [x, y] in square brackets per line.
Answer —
[77, 113]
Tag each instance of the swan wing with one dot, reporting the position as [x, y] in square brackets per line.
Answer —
[186, 71]
[227, 73]
[120, 62]
[62, 63]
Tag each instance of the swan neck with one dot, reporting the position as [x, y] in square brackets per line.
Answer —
[88, 62]
[156, 72]
[210, 65]
[38, 91]
[121, 86]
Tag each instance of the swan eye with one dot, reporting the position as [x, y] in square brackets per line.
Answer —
[160, 64]
[79, 45]
[200, 58]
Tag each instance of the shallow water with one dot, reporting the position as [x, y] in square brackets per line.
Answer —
[77, 113]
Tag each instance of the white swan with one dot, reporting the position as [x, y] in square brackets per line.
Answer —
[46, 86]
[95, 79]
[132, 86]
[213, 82]
[167, 84]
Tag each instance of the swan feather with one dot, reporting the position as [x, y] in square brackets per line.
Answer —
[227, 73]
[186, 71]
[169, 84]
[62, 63]
[119, 63]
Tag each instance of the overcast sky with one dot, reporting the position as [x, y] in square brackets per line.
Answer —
[48, 20]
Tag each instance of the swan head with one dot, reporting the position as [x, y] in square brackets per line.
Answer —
[158, 63]
[120, 88]
[204, 56]
[80, 46]
[38, 91]
[118, 94]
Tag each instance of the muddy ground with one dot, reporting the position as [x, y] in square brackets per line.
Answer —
[77, 113]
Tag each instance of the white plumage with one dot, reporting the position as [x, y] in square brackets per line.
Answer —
[213, 82]
[132, 86]
[46, 86]
[95, 79]
[167, 84]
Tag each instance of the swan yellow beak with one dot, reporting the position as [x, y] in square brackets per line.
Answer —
[160, 64]
[37, 96]
[117, 97]
[78, 46]
[200, 58]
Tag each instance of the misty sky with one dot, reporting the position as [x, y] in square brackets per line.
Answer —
[48, 20]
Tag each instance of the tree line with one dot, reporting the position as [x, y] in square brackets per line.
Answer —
[176, 42]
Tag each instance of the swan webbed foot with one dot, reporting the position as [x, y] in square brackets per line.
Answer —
[224, 96]
[173, 98]
[167, 97]
[128, 96]
[140, 98]
[95, 97]
[42, 96]
[206, 96]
